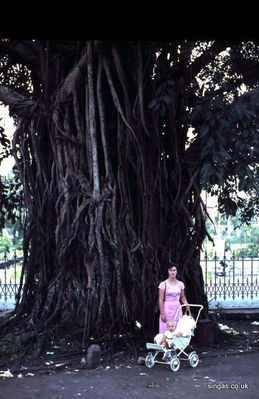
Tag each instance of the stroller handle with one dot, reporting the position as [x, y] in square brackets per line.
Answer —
[190, 304]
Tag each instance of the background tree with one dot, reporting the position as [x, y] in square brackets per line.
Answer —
[11, 208]
[114, 143]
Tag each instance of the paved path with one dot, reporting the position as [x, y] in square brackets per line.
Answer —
[232, 376]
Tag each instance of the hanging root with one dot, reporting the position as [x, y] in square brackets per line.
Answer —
[110, 199]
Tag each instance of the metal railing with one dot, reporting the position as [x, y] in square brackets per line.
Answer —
[225, 278]
[231, 277]
[10, 272]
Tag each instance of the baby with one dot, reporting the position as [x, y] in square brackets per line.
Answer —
[167, 338]
[185, 327]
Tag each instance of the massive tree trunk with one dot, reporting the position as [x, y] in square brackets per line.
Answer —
[111, 190]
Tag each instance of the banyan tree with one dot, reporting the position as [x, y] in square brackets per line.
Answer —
[114, 143]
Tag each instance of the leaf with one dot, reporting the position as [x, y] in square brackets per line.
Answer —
[206, 172]
[204, 130]
[224, 153]
[153, 103]
[162, 109]
[216, 157]
[199, 107]
[205, 151]
[156, 106]
[220, 178]
[167, 99]
[207, 114]
[171, 83]
[209, 143]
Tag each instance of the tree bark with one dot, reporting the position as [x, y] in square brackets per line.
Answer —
[112, 192]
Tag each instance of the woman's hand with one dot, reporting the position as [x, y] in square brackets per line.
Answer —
[163, 318]
[188, 310]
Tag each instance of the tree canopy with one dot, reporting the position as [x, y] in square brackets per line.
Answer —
[114, 143]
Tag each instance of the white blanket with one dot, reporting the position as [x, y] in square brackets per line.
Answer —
[185, 326]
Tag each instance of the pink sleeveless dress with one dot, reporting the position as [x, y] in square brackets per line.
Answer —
[171, 303]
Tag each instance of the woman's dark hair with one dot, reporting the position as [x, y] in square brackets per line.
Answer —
[172, 265]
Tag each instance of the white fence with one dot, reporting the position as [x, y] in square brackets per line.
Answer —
[230, 283]
[10, 272]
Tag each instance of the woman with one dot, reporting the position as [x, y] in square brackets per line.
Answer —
[171, 295]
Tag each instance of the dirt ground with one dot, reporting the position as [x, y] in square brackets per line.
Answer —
[223, 377]
[227, 370]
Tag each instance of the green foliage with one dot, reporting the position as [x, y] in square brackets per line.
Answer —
[243, 239]
[5, 144]
[11, 242]
[249, 235]
[164, 96]
[229, 141]
[11, 201]
[229, 160]
[108, 110]
[5, 242]
[12, 215]
[225, 118]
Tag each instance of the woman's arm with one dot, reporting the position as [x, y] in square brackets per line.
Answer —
[184, 300]
[161, 294]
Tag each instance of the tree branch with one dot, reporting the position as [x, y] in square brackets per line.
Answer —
[24, 51]
[18, 103]
[68, 84]
[9, 96]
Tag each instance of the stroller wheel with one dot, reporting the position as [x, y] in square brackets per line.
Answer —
[149, 361]
[174, 364]
[193, 359]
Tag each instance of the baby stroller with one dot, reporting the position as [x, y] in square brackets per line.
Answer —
[177, 352]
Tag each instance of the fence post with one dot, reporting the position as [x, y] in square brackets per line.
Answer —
[251, 274]
[224, 276]
[233, 285]
[206, 270]
[5, 277]
[215, 275]
[15, 271]
[243, 276]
